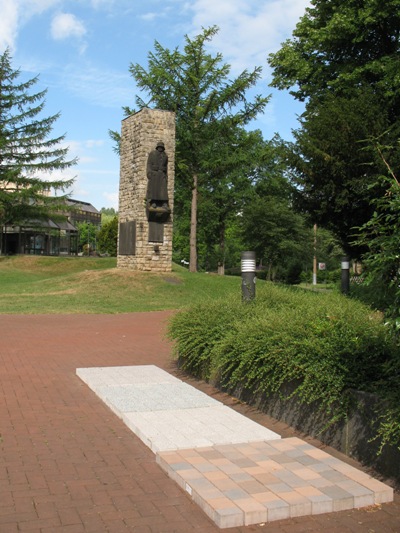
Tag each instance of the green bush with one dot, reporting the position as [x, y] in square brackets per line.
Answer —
[107, 238]
[197, 331]
[262, 274]
[334, 276]
[323, 343]
[293, 274]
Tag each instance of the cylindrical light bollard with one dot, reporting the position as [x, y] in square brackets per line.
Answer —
[248, 268]
[345, 275]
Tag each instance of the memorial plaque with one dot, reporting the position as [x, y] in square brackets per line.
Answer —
[156, 232]
[127, 238]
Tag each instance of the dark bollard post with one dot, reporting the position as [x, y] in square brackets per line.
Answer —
[248, 268]
[345, 275]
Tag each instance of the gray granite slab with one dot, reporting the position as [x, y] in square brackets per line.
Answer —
[154, 397]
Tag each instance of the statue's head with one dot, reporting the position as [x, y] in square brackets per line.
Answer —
[160, 146]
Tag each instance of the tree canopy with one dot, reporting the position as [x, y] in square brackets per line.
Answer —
[381, 237]
[343, 61]
[269, 224]
[27, 151]
[338, 46]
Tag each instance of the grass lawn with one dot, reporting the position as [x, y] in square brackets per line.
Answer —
[36, 284]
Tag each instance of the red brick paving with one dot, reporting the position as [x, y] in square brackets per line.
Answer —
[68, 464]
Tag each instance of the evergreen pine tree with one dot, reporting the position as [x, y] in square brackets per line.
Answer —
[27, 151]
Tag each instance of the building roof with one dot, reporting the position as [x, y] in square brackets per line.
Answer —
[66, 225]
[84, 206]
[36, 223]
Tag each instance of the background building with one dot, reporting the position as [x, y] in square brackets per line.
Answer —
[58, 236]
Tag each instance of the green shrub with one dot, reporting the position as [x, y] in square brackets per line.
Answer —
[197, 330]
[293, 274]
[262, 274]
[334, 276]
[233, 271]
[323, 343]
[375, 293]
[107, 238]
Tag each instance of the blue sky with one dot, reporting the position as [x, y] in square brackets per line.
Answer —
[82, 49]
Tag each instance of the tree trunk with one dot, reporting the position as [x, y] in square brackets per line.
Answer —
[193, 227]
[221, 263]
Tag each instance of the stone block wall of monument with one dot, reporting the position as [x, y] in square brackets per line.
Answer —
[139, 135]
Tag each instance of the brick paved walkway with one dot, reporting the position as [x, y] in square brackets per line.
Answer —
[68, 464]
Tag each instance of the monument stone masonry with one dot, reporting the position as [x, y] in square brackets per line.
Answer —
[146, 191]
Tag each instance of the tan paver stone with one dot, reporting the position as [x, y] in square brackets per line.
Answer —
[307, 473]
[252, 487]
[299, 505]
[278, 509]
[253, 511]
[270, 465]
[266, 478]
[224, 484]
[216, 475]
[317, 453]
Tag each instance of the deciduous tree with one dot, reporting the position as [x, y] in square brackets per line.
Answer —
[343, 62]
[272, 228]
[233, 164]
[196, 85]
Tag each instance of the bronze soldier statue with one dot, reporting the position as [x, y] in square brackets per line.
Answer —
[157, 185]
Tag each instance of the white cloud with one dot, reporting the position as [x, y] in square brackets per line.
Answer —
[112, 199]
[92, 143]
[66, 25]
[102, 87]
[97, 4]
[79, 192]
[15, 13]
[149, 16]
[87, 151]
[249, 29]
[8, 24]
[37, 6]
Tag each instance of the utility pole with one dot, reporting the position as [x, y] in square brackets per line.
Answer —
[314, 276]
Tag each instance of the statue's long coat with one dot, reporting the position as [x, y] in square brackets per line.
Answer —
[157, 166]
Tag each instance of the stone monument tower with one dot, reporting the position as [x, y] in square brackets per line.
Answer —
[146, 191]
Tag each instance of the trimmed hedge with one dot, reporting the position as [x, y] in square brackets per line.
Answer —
[323, 343]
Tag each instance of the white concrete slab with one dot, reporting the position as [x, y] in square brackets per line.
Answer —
[124, 375]
[166, 413]
[177, 429]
